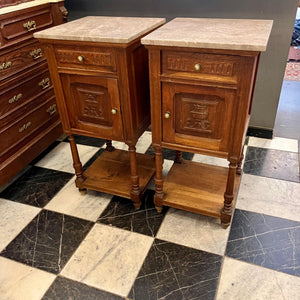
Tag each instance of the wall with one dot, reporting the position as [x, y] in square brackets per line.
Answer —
[272, 63]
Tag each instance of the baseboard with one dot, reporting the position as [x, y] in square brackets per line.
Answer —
[260, 132]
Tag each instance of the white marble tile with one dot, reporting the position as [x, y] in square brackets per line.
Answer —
[269, 196]
[21, 282]
[14, 217]
[216, 161]
[166, 168]
[109, 258]
[240, 280]
[193, 230]
[69, 201]
[142, 145]
[60, 158]
[276, 143]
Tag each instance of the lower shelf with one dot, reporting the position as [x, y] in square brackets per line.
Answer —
[197, 187]
[110, 173]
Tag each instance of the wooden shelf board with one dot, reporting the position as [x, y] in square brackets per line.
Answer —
[197, 187]
[110, 173]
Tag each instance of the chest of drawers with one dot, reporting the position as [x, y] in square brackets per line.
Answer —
[100, 74]
[29, 121]
[202, 76]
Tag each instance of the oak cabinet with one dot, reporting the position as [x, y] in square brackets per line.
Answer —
[201, 92]
[29, 120]
[100, 76]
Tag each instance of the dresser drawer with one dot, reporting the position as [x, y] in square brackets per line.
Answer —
[22, 58]
[183, 63]
[24, 127]
[92, 58]
[20, 94]
[21, 27]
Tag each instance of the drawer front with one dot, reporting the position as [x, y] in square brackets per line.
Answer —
[179, 63]
[22, 27]
[21, 129]
[21, 94]
[20, 59]
[93, 105]
[198, 116]
[92, 58]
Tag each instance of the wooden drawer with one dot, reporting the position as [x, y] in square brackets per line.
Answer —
[20, 94]
[17, 131]
[92, 58]
[21, 27]
[16, 61]
[196, 64]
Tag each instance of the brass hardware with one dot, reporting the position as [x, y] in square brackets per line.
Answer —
[5, 65]
[197, 67]
[80, 58]
[45, 83]
[24, 127]
[51, 109]
[36, 53]
[114, 111]
[167, 115]
[15, 98]
[30, 25]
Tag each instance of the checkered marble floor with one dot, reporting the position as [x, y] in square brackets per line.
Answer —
[57, 244]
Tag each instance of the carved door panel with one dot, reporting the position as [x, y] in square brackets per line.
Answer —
[93, 105]
[198, 116]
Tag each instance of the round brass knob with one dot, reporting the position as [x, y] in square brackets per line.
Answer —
[197, 67]
[114, 111]
[80, 58]
[167, 115]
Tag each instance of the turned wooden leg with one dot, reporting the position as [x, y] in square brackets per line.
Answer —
[178, 157]
[77, 165]
[159, 194]
[228, 196]
[135, 193]
[109, 146]
[239, 164]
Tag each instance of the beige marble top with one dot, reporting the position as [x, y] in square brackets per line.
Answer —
[229, 34]
[102, 29]
[12, 8]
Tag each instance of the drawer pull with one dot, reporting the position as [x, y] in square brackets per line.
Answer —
[167, 115]
[45, 83]
[24, 127]
[114, 111]
[80, 58]
[197, 67]
[51, 109]
[15, 98]
[36, 53]
[30, 25]
[5, 65]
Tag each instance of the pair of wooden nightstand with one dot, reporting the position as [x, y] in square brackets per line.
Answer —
[201, 93]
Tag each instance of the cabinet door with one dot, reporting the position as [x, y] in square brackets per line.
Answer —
[198, 116]
[93, 105]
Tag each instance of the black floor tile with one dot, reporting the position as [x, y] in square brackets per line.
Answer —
[63, 288]
[36, 187]
[266, 241]
[121, 213]
[48, 241]
[88, 141]
[170, 153]
[272, 163]
[172, 271]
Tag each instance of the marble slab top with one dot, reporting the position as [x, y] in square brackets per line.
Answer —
[12, 8]
[229, 34]
[102, 29]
